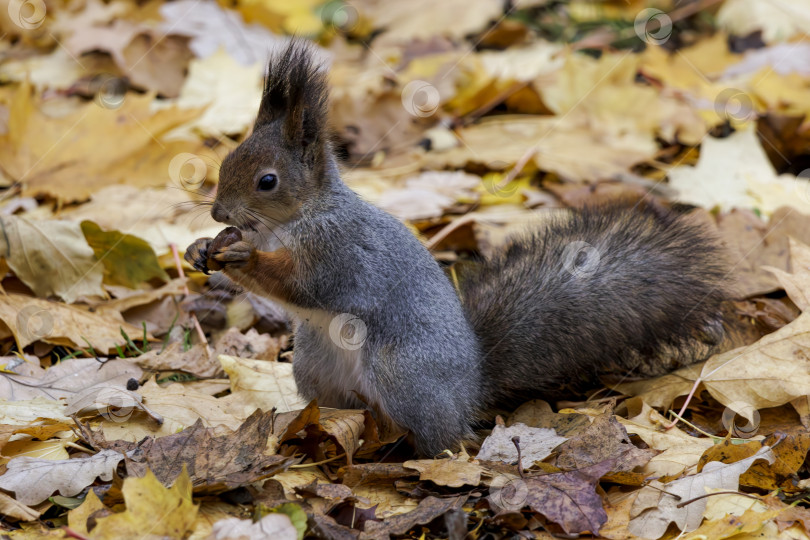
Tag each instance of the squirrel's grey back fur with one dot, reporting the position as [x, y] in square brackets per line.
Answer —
[611, 290]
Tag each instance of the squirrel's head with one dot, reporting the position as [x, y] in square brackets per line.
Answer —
[264, 181]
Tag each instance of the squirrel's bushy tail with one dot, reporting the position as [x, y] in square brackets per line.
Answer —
[615, 291]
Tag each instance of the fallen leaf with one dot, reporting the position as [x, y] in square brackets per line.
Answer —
[34, 480]
[428, 509]
[657, 506]
[52, 257]
[32, 319]
[168, 512]
[152, 60]
[605, 439]
[215, 463]
[15, 509]
[276, 526]
[27, 412]
[678, 450]
[554, 142]
[536, 444]
[735, 172]
[179, 408]
[447, 472]
[67, 378]
[260, 384]
[777, 22]
[569, 498]
[36, 153]
[128, 260]
[78, 517]
[771, 372]
[797, 283]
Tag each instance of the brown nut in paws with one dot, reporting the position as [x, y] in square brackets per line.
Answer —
[226, 237]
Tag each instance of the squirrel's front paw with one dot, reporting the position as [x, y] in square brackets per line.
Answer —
[234, 255]
[197, 254]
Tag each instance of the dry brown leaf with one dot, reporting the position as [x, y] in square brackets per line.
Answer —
[568, 498]
[448, 472]
[32, 319]
[215, 463]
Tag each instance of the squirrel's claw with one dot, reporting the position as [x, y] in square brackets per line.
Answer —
[197, 254]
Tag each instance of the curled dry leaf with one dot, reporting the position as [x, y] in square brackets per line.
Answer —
[34, 480]
[15, 509]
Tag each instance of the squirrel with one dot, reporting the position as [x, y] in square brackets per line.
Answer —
[609, 290]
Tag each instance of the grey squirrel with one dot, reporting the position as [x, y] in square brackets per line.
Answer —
[608, 291]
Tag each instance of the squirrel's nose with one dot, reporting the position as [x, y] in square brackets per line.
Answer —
[219, 213]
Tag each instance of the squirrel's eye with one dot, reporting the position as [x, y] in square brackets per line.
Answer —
[267, 182]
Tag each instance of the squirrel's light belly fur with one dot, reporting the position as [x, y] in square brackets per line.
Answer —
[618, 290]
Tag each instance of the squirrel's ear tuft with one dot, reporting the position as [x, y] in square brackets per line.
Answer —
[295, 92]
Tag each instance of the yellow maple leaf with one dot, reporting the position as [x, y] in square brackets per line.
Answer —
[153, 511]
